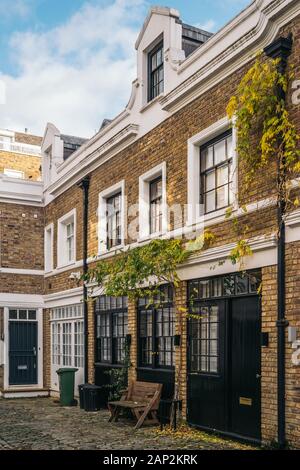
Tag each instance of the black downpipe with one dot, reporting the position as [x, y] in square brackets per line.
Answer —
[84, 185]
[281, 49]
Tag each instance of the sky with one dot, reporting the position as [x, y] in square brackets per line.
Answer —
[71, 62]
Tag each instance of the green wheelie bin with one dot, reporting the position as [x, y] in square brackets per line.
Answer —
[66, 385]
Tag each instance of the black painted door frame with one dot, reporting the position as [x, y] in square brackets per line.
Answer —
[225, 384]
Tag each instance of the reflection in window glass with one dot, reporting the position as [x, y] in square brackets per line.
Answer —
[204, 340]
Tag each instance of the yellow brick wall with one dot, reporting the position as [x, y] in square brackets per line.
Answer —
[29, 164]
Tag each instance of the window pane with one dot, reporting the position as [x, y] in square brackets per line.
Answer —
[229, 285]
[208, 157]
[222, 197]
[204, 289]
[31, 315]
[229, 147]
[220, 152]
[210, 181]
[22, 314]
[13, 315]
[210, 201]
[242, 284]
[222, 175]
[216, 287]
[203, 338]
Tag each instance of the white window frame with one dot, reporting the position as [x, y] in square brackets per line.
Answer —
[102, 219]
[62, 223]
[144, 201]
[71, 315]
[193, 170]
[10, 173]
[48, 247]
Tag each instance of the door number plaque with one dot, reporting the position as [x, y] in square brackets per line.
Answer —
[246, 401]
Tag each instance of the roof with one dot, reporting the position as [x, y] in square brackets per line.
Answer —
[105, 122]
[71, 144]
[72, 139]
[194, 33]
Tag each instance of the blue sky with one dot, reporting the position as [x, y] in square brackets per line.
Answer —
[63, 60]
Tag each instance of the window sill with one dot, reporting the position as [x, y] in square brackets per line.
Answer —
[111, 250]
[212, 216]
[65, 265]
[157, 369]
[152, 236]
[109, 365]
[152, 102]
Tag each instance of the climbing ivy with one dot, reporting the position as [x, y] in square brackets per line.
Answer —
[265, 136]
[257, 109]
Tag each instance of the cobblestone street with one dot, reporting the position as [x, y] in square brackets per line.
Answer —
[42, 424]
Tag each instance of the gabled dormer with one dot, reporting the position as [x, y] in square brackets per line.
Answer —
[57, 148]
[163, 43]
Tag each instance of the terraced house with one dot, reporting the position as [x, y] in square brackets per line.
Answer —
[172, 146]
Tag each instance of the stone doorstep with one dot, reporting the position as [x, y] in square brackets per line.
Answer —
[24, 392]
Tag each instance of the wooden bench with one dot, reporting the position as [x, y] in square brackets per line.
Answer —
[142, 399]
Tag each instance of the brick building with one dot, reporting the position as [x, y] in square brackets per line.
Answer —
[21, 250]
[171, 147]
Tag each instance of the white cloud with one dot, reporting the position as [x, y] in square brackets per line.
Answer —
[15, 8]
[76, 74]
[209, 25]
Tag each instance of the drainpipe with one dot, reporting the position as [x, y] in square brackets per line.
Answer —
[84, 185]
[281, 49]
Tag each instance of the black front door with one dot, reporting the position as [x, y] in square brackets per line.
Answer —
[22, 353]
[224, 384]
[244, 381]
[206, 378]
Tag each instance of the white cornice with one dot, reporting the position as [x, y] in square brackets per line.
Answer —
[96, 158]
[239, 53]
[22, 272]
[220, 253]
[293, 219]
[15, 300]
[18, 191]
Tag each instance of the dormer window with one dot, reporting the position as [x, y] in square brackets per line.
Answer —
[156, 71]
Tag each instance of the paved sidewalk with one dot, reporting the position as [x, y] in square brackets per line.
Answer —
[42, 424]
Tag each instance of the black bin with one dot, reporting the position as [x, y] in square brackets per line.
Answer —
[81, 395]
[91, 397]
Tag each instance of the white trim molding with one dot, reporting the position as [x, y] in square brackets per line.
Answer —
[18, 191]
[15, 300]
[214, 261]
[193, 170]
[63, 298]
[102, 216]
[62, 222]
[48, 247]
[22, 272]
[14, 388]
[144, 201]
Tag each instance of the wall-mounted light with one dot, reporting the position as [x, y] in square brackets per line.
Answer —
[292, 334]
